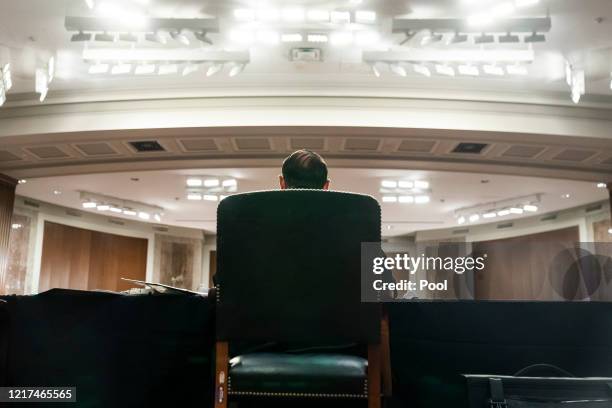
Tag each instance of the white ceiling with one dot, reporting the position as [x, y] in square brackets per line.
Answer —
[34, 29]
[450, 192]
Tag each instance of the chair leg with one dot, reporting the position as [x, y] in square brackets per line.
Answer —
[374, 375]
[221, 374]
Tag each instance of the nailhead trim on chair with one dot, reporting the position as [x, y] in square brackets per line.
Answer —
[295, 394]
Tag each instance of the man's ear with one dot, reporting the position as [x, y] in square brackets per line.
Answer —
[281, 181]
[326, 185]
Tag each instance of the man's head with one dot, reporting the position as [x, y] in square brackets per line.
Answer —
[304, 169]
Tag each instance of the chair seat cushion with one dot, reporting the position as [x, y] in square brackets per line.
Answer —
[299, 375]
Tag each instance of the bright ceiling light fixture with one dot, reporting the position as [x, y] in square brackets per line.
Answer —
[194, 182]
[468, 70]
[211, 182]
[230, 183]
[405, 184]
[423, 199]
[89, 204]
[461, 220]
[210, 197]
[602, 185]
[291, 37]
[103, 207]
[492, 69]
[578, 85]
[406, 199]
[194, 196]
[121, 69]
[446, 70]
[318, 15]
[365, 16]
[157, 37]
[236, 69]
[317, 38]
[190, 69]
[90, 4]
[340, 17]
[213, 69]
[490, 214]
[389, 199]
[144, 215]
[167, 69]
[503, 213]
[474, 217]
[99, 68]
[517, 69]
[422, 69]
[145, 69]
[388, 184]
[530, 208]
[129, 212]
[42, 83]
[397, 69]
[2, 95]
[421, 185]
[180, 37]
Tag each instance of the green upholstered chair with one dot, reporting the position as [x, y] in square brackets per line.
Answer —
[288, 272]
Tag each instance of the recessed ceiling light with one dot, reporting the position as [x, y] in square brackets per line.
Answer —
[144, 215]
[89, 204]
[565, 195]
[610, 231]
[474, 217]
[407, 199]
[194, 182]
[503, 213]
[210, 197]
[388, 184]
[16, 226]
[461, 220]
[421, 185]
[317, 15]
[116, 210]
[490, 214]
[157, 217]
[424, 199]
[194, 196]
[530, 208]
[365, 16]
[103, 207]
[405, 184]
[22, 181]
[602, 185]
[229, 183]
[211, 182]
[516, 210]
[389, 199]
[129, 212]
[57, 192]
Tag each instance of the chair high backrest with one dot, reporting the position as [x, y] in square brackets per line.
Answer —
[288, 267]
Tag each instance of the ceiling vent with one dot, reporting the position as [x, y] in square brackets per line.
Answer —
[549, 217]
[595, 207]
[147, 146]
[47, 152]
[199, 145]
[505, 225]
[96, 149]
[574, 155]
[311, 143]
[252, 144]
[8, 156]
[461, 231]
[364, 145]
[73, 213]
[470, 148]
[416, 146]
[160, 229]
[523, 151]
[115, 221]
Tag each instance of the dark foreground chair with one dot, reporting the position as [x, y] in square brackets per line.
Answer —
[289, 273]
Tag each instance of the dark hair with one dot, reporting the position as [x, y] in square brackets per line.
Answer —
[305, 169]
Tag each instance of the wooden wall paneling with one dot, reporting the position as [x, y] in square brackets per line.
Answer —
[518, 268]
[76, 258]
[7, 202]
[65, 257]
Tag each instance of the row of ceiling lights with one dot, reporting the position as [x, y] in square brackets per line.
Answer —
[405, 191]
[271, 37]
[163, 68]
[299, 15]
[448, 69]
[209, 188]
